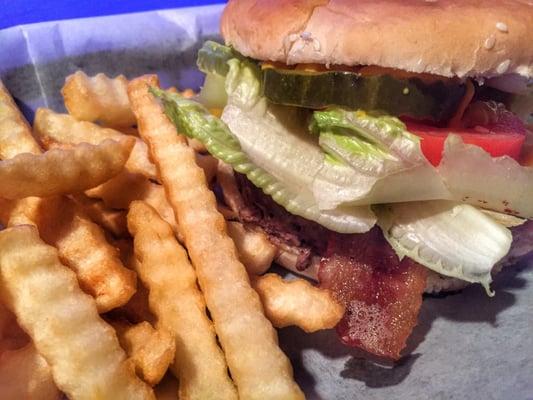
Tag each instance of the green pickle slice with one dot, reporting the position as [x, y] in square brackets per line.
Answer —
[437, 100]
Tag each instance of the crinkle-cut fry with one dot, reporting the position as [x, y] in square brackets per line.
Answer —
[5, 210]
[81, 244]
[129, 130]
[98, 98]
[113, 221]
[188, 93]
[82, 247]
[54, 130]
[120, 191]
[230, 190]
[82, 351]
[257, 364]
[198, 146]
[151, 350]
[137, 309]
[297, 303]
[24, 374]
[15, 132]
[167, 389]
[163, 266]
[12, 337]
[63, 171]
[209, 164]
[255, 250]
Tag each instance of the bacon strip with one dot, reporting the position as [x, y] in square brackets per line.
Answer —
[382, 294]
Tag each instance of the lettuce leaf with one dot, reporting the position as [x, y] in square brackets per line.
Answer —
[453, 239]
[195, 121]
[276, 139]
[374, 144]
[213, 58]
[474, 177]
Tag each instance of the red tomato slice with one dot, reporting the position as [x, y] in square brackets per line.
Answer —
[506, 137]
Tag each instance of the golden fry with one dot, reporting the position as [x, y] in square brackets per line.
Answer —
[98, 98]
[209, 164]
[5, 210]
[151, 350]
[255, 250]
[174, 298]
[82, 350]
[82, 246]
[81, 243]
[167, 388]
[230, 190]
[137, 309]
[12, 337]
[198, 146]
[298, 303]
[112, 220]
[54, 130]
[15, 133]
[120, 191]
[257, 364]
[24, 374]
[63, 171]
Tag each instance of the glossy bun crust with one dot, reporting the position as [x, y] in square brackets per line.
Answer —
[443, 37]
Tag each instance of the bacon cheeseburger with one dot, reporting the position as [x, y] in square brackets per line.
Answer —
[382, 145]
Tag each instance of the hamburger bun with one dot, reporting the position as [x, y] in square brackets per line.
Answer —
[463, 38]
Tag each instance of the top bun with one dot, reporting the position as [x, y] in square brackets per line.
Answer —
[442, 37]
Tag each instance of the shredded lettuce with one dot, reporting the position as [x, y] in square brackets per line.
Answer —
[474, 177]
[452, 239]
[277, 140]
[374, 144]
[194, 120]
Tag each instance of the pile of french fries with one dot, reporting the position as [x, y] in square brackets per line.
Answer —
[120, 277]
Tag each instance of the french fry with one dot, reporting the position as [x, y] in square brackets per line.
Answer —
[5, 210]
[230, 190]
[188, 93]
[12, 337]
[81, 243]
[197, 145]
[63, 171]
[15, 133]
[82, 246]
[151, 350]
[82, 350]
[167, 388]
[54, 130]
[129, 130]
[174, 298]
[137, 309]
[257, 364]
[209, 164]
[120, 191]
[297, 303]
[98, 98]
[255, 250]
[112, 220]
[24, 374]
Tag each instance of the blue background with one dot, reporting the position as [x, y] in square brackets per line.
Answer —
[17, 12]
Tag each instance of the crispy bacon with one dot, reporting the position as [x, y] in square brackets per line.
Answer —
[382, 294]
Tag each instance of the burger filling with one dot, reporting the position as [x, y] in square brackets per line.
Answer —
[389, 174]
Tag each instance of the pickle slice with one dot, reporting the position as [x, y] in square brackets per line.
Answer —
[436, 101]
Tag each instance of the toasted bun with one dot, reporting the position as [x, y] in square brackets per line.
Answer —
[443, 37]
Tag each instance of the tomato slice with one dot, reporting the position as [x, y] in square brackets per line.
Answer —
[506, 137]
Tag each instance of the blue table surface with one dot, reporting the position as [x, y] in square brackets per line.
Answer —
[18, 12]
